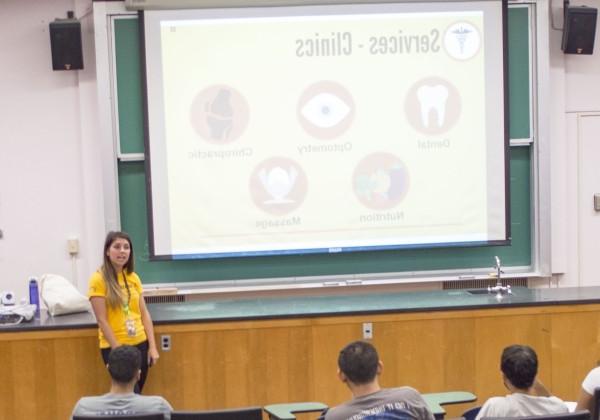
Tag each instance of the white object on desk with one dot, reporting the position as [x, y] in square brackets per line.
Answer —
[25, 312]
[8, 298]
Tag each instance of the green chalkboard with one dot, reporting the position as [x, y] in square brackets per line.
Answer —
[132, 190]
[518, 73]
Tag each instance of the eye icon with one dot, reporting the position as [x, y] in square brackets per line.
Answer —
[325, 110]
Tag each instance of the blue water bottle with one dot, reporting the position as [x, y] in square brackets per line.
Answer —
[34, 295]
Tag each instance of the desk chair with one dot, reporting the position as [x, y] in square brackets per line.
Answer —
[247, 413]
[150, 416]
[577, 415]
[596, 406]
[471, 413]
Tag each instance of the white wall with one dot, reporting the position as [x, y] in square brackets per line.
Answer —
[575, 92]
[52, 185]
[48, 177]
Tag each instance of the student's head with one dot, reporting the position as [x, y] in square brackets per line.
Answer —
[118, 251]
[124, 364]
[519, 365]
[359, 362]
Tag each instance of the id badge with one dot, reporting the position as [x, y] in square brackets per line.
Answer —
[130, 326]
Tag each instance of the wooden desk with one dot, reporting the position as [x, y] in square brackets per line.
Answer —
[217, 364]
[435, 401]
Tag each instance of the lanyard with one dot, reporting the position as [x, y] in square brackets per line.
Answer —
[126, 304]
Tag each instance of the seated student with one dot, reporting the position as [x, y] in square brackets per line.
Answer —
[124, 364]
[528, 396]
[359, 367]
[586, 395]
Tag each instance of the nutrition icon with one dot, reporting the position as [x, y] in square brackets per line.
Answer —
[381, 181]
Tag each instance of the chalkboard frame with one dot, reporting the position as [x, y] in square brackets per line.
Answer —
[396, 263]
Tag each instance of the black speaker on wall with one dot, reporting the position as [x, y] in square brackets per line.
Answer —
[579, 29]
[65, 43]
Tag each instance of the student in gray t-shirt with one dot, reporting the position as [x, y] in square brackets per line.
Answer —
[359, 367]
[124, 367]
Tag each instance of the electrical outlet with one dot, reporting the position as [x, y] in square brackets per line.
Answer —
[73, 246]
[165, 342]
[367, 330]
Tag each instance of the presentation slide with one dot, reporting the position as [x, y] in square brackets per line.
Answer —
[325, 129]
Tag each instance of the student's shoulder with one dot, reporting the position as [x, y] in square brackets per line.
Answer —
[88, 403]
[494, 407]
[594, 373]
[591, 380]
[84, 400]
[339, 412]
[496, 400]
[156, 399]
[148, 397]
[406, 391]
[558, 404]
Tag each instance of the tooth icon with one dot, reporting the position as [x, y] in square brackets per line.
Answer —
[433, 98]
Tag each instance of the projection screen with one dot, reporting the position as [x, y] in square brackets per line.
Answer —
[278, 130]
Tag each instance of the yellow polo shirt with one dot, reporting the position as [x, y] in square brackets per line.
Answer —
[116, 316]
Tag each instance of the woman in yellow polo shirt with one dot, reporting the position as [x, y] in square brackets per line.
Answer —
[115, 292]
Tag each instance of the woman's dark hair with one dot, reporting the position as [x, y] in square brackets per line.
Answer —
[113, 290]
